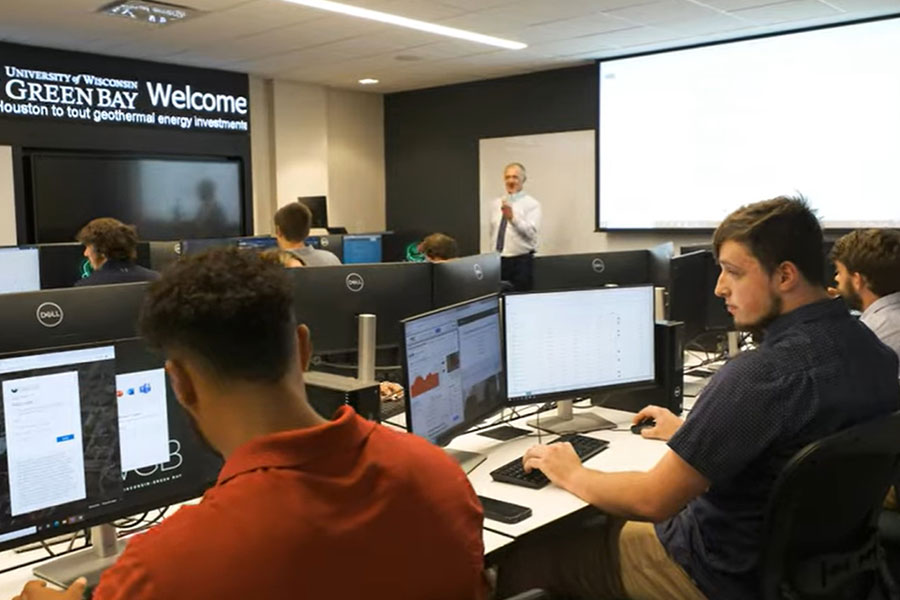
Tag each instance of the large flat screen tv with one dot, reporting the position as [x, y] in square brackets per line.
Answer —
[166, 198]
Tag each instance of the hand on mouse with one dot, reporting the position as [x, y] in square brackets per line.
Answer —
[666, 422]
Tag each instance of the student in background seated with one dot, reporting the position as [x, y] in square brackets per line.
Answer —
[817, 370]
[283, 257]
[867, 262]
[439, 247]
[111, 248]
[292, 223]
[304, 507]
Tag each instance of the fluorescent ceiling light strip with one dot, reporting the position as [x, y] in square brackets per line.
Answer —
[374, 15]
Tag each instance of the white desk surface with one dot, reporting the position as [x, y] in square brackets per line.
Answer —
[626, 452]
[12, 583]
[492, 541]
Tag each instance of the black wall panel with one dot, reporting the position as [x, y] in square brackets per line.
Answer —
[431, 141]
[23, 133]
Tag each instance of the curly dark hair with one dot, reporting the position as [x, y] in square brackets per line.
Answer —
[873, 253]
[111, 238]
[439, 246]
[775, 231]
[232, 309]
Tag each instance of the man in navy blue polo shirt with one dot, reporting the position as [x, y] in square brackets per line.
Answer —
[817, 371]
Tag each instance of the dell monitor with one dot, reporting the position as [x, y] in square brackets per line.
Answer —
[569, 344]
[402, 246]
[464, 278]
[570, 271]
[92, 433]
[64, 264]
[661, 264]
[328, 299]
[260, 242]
[453, 371]
[163, 254]
[318, 206]
[332, 243]
[360, 249]
[692, 297]
[189, 247]
[20, 270]
[67, 316]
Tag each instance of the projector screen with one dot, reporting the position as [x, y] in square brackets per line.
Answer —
[687, 136]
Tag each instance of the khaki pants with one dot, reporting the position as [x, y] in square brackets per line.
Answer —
[620, 560]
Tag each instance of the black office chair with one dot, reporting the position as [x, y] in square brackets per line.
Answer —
[889, 535]
[821, 527]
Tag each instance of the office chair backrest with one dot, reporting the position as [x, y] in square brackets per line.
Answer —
[820, 529]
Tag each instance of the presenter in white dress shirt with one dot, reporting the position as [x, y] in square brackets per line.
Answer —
[515, 225]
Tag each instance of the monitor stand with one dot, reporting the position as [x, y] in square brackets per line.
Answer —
[734, 343]
[89, 563]
[467, 460]
[566, 422]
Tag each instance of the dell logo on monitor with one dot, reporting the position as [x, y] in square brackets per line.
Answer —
[49, 314]
[598, 265]
[355, 282]
[479, 273]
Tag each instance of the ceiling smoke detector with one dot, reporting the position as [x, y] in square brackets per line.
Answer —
[145, 11]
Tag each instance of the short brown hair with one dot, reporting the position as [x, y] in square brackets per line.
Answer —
[775, 231]
[293, 221]
[874, 254]
[233, 309]
[111, 238]
[439, 246]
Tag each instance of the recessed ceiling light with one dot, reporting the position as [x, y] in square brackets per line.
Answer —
[147, 11]
[368, 81]
[383, 17]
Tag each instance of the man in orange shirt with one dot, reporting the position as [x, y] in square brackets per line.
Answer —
[304, 507]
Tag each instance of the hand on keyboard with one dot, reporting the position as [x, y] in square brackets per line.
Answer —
[553, 462]
[556, 461]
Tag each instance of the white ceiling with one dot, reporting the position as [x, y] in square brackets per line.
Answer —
[275, 39]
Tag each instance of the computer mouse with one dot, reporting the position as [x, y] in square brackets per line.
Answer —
[644, 424]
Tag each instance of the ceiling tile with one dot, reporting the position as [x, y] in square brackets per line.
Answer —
[795, 10]
[639, 36]
[867, 6]
[477, 4]
[413, 9]
[727, 5]
[569, 29]
[666, 11]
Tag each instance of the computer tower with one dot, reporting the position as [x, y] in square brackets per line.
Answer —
[668, 387]
[328, 392]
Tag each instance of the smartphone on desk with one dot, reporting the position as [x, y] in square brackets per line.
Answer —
[505, 512]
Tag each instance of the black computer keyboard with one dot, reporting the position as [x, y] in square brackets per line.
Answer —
[392, 408]
[514, 472]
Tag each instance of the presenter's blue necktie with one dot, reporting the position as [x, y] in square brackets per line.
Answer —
[501, 233]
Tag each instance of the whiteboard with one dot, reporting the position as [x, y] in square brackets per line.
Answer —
[560, 168]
